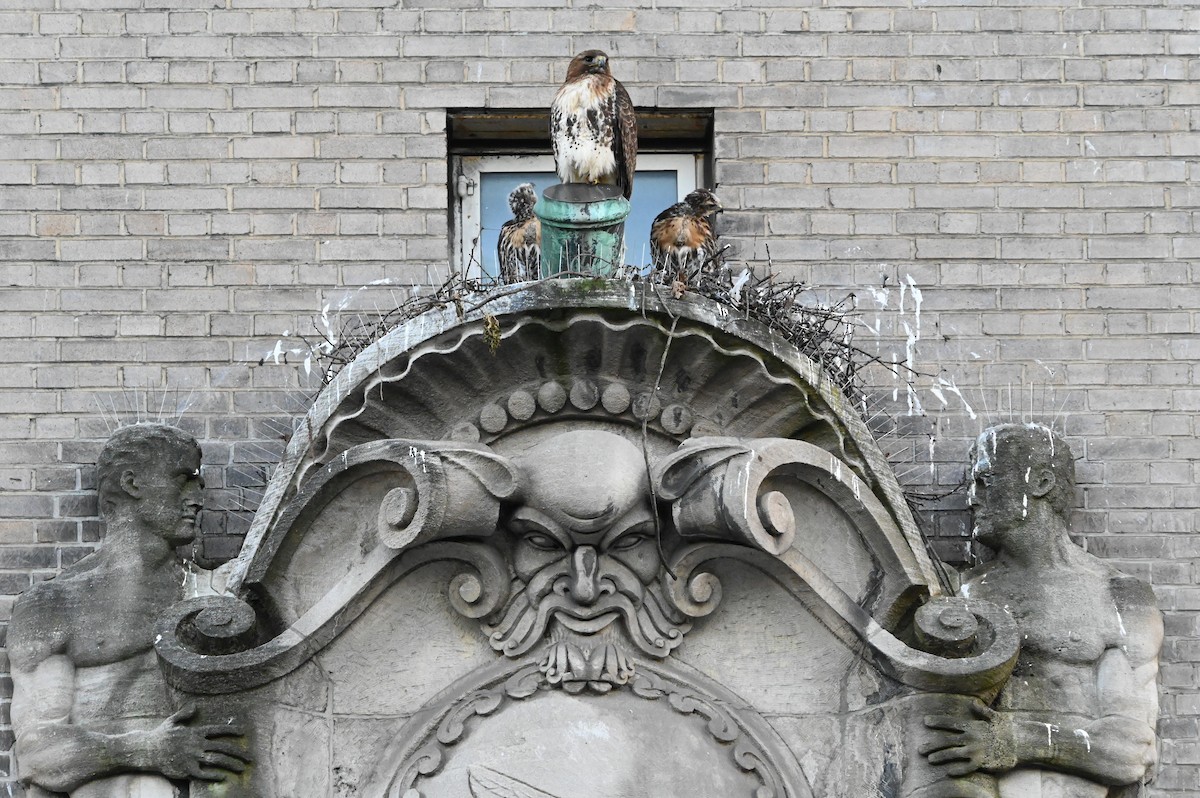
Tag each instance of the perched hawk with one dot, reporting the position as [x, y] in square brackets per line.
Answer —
[682, 240]
[593, 127]
[519, 250]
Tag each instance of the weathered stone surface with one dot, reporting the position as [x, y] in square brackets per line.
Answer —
[519, 574]
[92, 712]
[1079, 714]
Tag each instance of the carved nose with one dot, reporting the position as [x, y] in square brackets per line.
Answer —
[583, 575]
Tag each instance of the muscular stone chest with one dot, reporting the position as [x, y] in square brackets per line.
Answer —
[111, 629]
[121, 691]
[1063, 617]
[1077, 632]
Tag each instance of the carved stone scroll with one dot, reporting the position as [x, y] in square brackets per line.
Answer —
[744, 491]
[982, 661]
[197, 643]
[443, 488]
[217, 644]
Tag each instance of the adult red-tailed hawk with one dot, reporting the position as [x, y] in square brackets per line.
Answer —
[593, 126]
[519, 250]
[682, 240]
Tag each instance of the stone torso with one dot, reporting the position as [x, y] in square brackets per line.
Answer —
[115, 610]
[1067, 619]
[128, 690]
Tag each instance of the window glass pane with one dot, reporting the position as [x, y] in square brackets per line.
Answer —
[494, 188]
[654, 190]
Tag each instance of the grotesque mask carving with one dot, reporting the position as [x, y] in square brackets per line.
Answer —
[586, 560]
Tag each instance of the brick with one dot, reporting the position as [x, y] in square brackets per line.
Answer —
[101, 249]
[882, 197]
[94, 97]
[273, 97]
[1124, 44]
[1033, 248]
[274, 147]
[1136, 248]
[363, 198]
[185, 198]
[954, 197]
[273, 198]
[196, 46]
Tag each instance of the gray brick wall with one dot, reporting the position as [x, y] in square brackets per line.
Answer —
[183, 183]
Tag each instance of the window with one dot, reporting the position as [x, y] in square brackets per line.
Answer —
[494, 151]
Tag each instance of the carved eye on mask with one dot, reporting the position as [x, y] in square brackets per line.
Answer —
[542, 542]
[627, 542]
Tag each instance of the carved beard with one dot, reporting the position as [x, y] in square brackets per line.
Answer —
[649, 621]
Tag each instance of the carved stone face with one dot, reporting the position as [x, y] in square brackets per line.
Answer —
[169, 489]
[995, 504]
[148, 475]
[584, 548]
[1012, 467]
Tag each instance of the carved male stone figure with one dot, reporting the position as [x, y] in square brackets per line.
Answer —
[1077, 717]
[90, 708]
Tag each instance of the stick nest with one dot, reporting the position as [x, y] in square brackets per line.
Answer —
[821, 331]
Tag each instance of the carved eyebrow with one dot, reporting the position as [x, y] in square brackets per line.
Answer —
[633, 523]
[527, 519]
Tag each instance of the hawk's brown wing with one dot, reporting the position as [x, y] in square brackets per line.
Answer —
[624, 138]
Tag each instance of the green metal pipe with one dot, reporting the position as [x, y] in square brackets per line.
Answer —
[583, 229]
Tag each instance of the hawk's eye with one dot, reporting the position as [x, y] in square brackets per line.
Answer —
[542, 542]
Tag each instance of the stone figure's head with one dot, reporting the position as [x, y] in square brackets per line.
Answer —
[1014, 466]
[150, 473]
[584, 549]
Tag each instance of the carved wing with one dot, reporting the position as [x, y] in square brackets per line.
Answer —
[487, 783]
[625, 138]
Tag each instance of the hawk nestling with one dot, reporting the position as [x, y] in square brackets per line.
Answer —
[593, 126]
[519, 250]
[682, 239]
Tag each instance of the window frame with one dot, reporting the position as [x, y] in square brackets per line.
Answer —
[506, 139]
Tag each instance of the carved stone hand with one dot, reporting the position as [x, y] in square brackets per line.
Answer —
[204, 752]
[965, 745]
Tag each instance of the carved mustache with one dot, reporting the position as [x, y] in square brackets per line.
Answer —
[553, 591]
[586, 577]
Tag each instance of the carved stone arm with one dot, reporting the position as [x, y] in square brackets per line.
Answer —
[1117, 747]
[1113, 750]
[59, 755]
